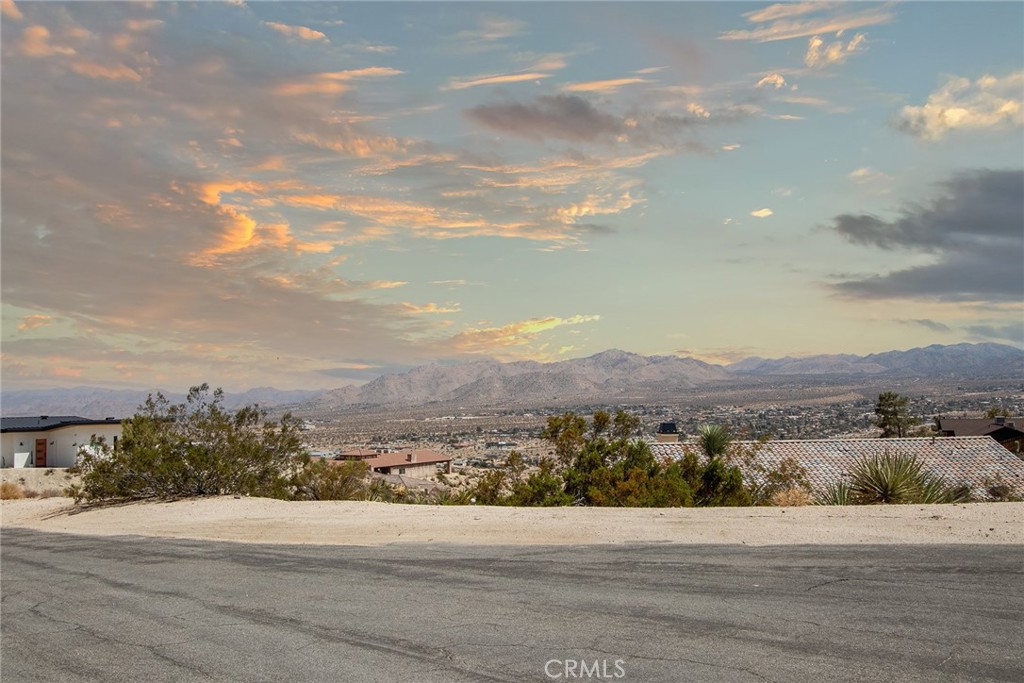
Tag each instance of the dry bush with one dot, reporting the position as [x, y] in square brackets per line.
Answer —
[51, 493]
[30, 493]
[795, 496]
[10, 491]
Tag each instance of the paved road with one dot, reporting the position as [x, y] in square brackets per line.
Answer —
[77, 608]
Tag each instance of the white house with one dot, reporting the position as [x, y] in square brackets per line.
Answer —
[51, 440]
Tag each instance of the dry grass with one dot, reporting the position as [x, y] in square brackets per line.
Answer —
[792, 497]
[51, 492]
[10, 491]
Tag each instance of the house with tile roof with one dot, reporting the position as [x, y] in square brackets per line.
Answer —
[1008, 431]
[971, 460]
[51, 440]
[419, 463]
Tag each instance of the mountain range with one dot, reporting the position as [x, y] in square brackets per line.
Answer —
[612, 376]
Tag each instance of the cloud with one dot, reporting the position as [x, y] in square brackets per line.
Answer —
[35, 42]
[494, 79]
[973, 231]
[780, 23]
[762, 213]
[731, 147]
[10, 10]
[866, 175]
[118, 72]
[929, 324]
[414, 309]
[988, 102]
[820, 55]
[301, 32]
[331, 82]
[32, 322]
[492, 28]
[573, 118]
[1012, 332]
[611, 85]
[490, 340]
[774, 80]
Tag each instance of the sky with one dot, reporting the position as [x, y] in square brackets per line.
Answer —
[308, 195]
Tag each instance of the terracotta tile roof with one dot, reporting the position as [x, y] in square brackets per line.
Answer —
[957, 459]
[399, 458]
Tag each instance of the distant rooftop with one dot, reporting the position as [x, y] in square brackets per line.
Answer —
[44, 423]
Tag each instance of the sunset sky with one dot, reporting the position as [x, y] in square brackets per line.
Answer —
[306, 195]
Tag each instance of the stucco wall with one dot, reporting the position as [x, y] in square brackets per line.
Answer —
[62, 444]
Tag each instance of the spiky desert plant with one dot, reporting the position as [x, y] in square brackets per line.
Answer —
[839, 493]
[886, 478]
[934, 489]
[714, 440]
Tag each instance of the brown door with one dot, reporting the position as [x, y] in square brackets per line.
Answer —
[40, 453]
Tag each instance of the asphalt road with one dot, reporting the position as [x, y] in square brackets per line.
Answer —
[77, 608]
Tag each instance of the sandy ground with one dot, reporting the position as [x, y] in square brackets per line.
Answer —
[359, 523]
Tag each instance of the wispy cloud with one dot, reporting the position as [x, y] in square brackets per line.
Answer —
[988, 102]
[35, 321]
[301, 32]
[494, 79]
[783, 22]
[493, 340]
[610, 85]
[762, 213]
[414, 309]
[331, 82]
[10, 10]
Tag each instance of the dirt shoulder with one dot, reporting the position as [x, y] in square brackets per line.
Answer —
[360, 523]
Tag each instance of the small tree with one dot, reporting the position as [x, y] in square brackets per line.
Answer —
[194, 448]
[892, 416]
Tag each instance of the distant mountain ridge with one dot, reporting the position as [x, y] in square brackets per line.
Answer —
[607, 376]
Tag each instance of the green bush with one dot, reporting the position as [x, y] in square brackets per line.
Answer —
[320, 479]
[194, 448]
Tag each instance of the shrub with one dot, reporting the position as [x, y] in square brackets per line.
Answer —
[192, 449]
[997, 489]
[319, 479]
[792, 497]
[30, 493]
[10, 491]
[51, 493]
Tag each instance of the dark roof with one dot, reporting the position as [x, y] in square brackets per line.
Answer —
[969, 460]
[44, 423]
[979, 426]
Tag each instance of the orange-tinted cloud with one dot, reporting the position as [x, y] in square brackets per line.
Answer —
[494, 79]
[610, 85]
[331, 82]
[491, 339]
[35, 42]
[301, 32]
[413, 309]
[119, 72]
[10, 10]
[32, 322]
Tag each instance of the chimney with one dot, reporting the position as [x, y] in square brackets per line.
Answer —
[667, 433]
[411, 457]
[1000, 420]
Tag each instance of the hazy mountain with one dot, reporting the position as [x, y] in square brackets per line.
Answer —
[957, 360]
[605, 376]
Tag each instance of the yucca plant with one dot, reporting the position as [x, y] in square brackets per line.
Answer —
[886, 478]
[839, 493]
[900, 478]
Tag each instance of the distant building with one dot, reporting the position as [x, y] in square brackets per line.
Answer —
[971, 460]
[51, 440]
[418, 463]
[1008, 431]
[667, 433]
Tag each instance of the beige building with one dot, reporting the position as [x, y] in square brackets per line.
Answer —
[51, 440]
[417, 463]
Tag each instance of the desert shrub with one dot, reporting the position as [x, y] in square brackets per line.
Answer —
[792, 497]
[319, 479]
[900, 478]
[194, 448]
[51, 492]
[715, 483]
[11, 491]
[490, 488]
[30, 493]
[997, 489]
[839, 493]
[541, 488]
